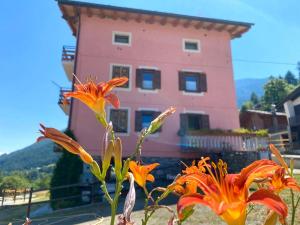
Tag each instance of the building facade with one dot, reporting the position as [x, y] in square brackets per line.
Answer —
[292, 108]
[170, 60]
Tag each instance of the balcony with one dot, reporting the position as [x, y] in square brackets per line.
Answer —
[63, 104]
[294, 120]
[205, 142]
[68, 58]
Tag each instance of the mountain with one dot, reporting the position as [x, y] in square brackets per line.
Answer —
[244, 88]
[34, 156]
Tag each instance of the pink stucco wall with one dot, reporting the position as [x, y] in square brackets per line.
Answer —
[157, 46]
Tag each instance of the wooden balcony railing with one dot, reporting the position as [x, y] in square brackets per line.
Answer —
[68, 53]
[220, 143]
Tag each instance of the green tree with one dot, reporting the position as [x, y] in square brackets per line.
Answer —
[290, 78]
[67, 171]
[254, 99]
[14, 182]
[247, 105]
[275, 92]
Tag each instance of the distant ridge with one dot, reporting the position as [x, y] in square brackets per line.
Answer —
[33, 156]
[244, 88]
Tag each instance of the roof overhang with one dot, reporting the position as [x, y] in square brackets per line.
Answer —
[72, 9]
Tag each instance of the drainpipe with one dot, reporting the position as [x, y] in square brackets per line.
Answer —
[75, 67]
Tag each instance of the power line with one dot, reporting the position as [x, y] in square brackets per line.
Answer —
[265, 62]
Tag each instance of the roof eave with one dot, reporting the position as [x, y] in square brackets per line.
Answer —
[236, 28]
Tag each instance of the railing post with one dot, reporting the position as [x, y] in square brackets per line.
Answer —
[29, 203]
[24, 197]
[15, 195]
[3, 195]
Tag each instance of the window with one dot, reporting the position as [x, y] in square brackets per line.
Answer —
[144, 118]
[192, 82]
[121, 38]
[119, 119]
[297, 110]
[148, 79]
[191, 45]
[121, 71]
[193, 121]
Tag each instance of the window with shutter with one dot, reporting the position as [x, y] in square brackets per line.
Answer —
[144, 118]
[193, 121]
[148, 79]
[121, 71]
[119, 119]
[192, 82]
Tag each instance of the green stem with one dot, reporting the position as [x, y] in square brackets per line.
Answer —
[293, 208]
[114, 205]
[106, 194]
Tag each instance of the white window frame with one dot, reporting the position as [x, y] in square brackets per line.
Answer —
[114, 33]
[193, 41]
[155, 135]
[128, 119]
[129, 78]
[155, 91]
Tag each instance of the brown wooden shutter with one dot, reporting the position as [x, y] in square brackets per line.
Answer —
[202, 82]
[204, 122]
[157, 80]
[138, 121]
[138, 78]
[183, 123]
[181, 81]
[156, 114]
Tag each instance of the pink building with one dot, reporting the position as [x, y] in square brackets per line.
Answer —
[170, 60]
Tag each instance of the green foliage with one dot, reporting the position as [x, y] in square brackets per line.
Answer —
[260, 133]
[276, 91]
[67, 171]
[247, 105]
[290, 78]
[254, 98]
[14, 182]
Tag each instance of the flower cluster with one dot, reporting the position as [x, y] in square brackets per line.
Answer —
[204, 182]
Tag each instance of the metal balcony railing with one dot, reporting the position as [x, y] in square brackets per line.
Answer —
[68, 53]
[63, 104]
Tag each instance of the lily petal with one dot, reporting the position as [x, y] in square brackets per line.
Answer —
[269, 199]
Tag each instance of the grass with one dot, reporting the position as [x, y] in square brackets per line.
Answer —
[99, 212]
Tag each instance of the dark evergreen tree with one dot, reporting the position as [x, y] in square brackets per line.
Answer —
[67, 171]
[298, 68]
[290, 78]
[254, 99]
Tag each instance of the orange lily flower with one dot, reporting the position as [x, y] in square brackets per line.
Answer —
[142, 173]
[228, 194]
[96, 95]
[279, 181]
[180, 186]
[66, 142]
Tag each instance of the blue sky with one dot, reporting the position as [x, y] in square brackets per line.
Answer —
[33, 33]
